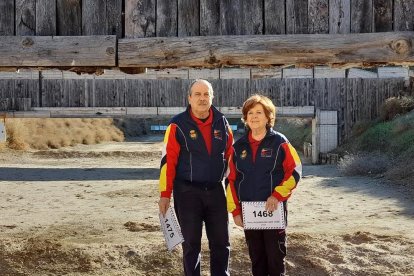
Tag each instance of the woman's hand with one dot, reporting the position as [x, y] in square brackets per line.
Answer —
[271, 204]
[238, 220]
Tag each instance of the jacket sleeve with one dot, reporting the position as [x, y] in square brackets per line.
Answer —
[292, 168]
[169, 159]
[233, 204]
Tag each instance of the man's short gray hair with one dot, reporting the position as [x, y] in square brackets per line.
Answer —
[210, 87]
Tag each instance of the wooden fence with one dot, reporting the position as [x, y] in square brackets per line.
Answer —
[354, 99]
[148, 18]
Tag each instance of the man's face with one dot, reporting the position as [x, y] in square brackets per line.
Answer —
[200, 100]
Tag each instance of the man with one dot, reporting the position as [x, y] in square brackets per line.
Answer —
[197, 146]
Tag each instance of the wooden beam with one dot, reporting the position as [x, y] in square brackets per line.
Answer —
[57, 51]
[259, 50]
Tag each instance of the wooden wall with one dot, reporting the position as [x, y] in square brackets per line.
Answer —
[147, 18]
[354, 99]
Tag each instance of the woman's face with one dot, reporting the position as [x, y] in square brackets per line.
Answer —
[256, 118]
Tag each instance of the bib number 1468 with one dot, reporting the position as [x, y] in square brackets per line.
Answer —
[263, 214]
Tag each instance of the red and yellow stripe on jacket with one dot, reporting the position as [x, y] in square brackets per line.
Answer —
[293, 172]
[169, 161]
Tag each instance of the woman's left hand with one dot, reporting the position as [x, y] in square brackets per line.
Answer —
[271, 204]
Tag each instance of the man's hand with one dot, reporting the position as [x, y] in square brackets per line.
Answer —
[271, 204]
[238, 220]
[163, 204]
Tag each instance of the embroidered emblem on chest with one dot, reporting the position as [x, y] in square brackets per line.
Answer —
[217, 134]
[266, 152]
[243, 154]
[193, 134]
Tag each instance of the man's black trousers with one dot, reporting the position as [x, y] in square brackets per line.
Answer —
[195, 205]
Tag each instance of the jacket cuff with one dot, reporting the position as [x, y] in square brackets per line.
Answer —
[166, 194]
[236, 212]
[278, 196]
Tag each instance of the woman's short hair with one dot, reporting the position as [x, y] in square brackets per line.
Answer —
[268, 106]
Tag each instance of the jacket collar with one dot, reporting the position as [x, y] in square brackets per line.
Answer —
[245, 137]
[217, 115]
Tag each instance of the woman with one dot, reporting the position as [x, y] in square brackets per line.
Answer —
[264, 167]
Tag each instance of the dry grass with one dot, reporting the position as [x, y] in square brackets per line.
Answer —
[364, 164]
[394, 107]
[23, 134]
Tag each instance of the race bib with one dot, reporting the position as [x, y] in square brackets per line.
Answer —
[171, 229]
[255, 217]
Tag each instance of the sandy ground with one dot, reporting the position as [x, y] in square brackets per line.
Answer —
[92, 210]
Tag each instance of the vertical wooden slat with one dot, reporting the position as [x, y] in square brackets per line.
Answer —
[274, 17]
[382, 15]
[188, 18]
[114, 18]
[110, 93]
[339, 16]
[7, 17]
[403, 15]
[209, 17]
[140, 18]
[318, 16]
[166, 22]
[94, 17]
[246, 17]
[69, 17]
[297, 17]
[27, 88]
[74, 91]
[361, 16]
[25, 17]
[46, 17]
[51, 92]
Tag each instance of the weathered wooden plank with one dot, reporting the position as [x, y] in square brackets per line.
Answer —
[266, 73]
[69, 17]
[82, 112]
[361, 16]
[58, 51]
[361, 74]
[234, 73]
[94, 17]
[114, 18]
[246, 17]
[188, 18]
[328, 72]
[167, 74]
[274, 17]
[140, 18]
[209, 17]
[25, 17]
[318, 16]
[46, 17]
[166, 21]
[29, 89]
[7, 17]
[339, 16]
[297, 17]
[290, 73]
[216, 51]
[393, 72]
[234, 92]
[142, 111]
[403, 15]
[139, 93]
[206, 74]
[382, 15]
[109, 93]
